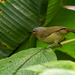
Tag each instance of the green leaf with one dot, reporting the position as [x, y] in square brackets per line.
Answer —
[69, 2]
[28, 43]
[41, 44]
[63, 56]
[16, 19]
[15, 64]
[32, 42]
[53, 8]
[55, 64]
[58, 72]
[43, 9]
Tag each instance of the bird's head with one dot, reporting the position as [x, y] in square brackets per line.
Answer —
[36, 31]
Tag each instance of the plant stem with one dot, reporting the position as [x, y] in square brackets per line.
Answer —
[63, 43]
[68, 41]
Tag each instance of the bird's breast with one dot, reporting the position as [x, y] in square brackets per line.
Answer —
[53, 38]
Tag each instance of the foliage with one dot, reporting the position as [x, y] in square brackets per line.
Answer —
[54, 68]
[19, 50]
[14, 64]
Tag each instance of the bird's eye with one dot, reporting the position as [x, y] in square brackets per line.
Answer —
[34, 32]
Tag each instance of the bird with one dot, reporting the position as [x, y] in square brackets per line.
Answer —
[51, 35]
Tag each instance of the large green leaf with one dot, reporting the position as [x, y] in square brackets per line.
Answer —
[30, 42]
[14, 65]
[16, 19]
[57, 72]
[53, 8]
[69, 65]
[43, 9]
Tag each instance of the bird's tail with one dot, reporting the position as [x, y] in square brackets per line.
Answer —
[70, 30]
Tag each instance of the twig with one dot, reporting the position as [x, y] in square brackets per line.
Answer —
[63, 43]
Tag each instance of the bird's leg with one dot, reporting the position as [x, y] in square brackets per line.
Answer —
[59, 44]
[64, 39]
[56, 42]
[50, 46]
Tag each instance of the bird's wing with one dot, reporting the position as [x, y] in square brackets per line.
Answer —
[49, 30]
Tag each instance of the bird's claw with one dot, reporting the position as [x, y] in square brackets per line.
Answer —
[49, 47]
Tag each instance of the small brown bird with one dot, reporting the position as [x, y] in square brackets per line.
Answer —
[51, 35]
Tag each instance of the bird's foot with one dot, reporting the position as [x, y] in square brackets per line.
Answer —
[60, 45]
[50, 46]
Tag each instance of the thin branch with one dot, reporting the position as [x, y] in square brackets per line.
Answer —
[63, 43]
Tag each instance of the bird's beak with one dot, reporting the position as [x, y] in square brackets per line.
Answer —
[30, 32]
